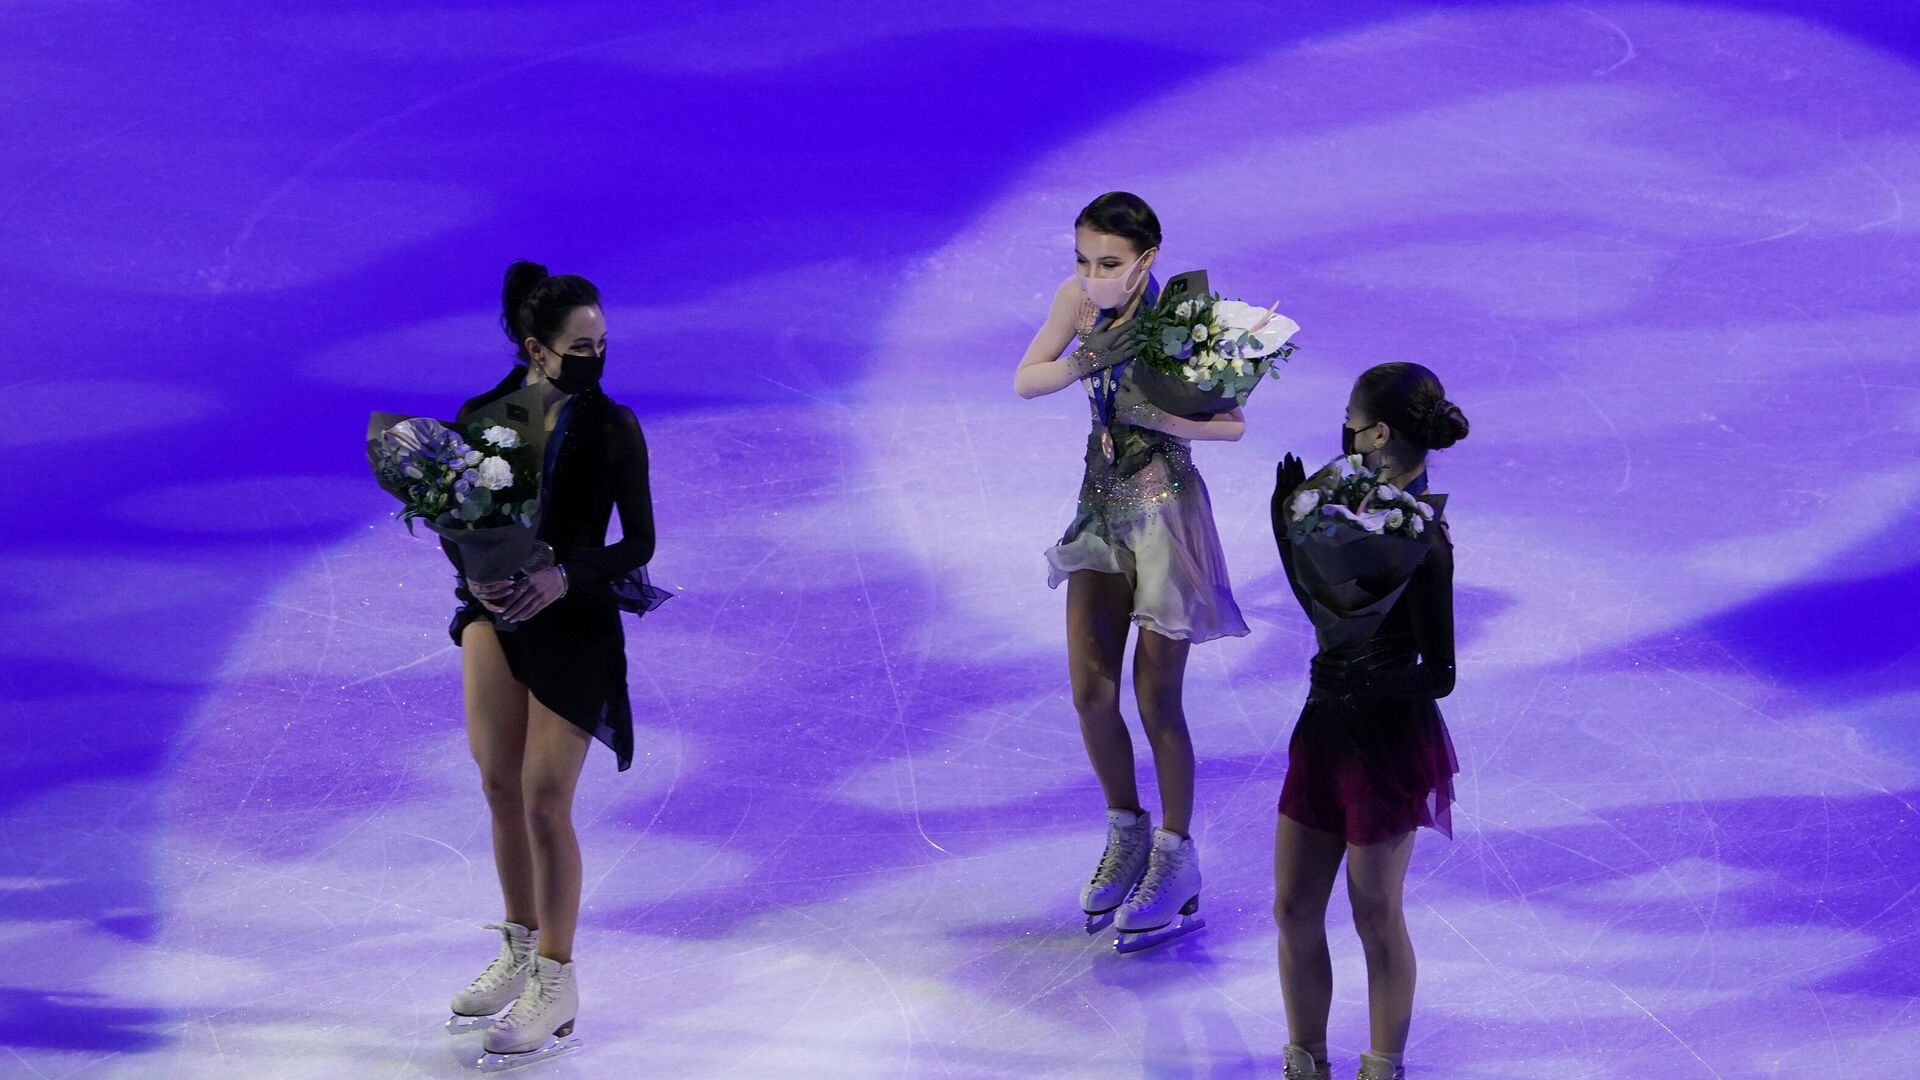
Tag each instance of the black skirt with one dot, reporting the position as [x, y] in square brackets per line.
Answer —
[572, 657]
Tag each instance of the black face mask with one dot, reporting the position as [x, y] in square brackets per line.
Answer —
[578, 374]
[1347, 437]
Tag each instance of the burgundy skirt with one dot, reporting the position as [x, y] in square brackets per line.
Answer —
[1370, 769]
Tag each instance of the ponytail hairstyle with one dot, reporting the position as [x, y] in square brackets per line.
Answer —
[535, 304]
[1409, 399]
[1122, 214]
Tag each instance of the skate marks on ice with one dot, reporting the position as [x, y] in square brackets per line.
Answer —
[852, 839]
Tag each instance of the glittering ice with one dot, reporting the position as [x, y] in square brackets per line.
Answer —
[1658, 251]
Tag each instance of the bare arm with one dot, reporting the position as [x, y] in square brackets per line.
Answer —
[1043, 370]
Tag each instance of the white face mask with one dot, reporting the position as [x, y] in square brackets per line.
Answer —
[1112, 293]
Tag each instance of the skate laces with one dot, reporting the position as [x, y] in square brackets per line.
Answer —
[538, 994]
[501, 969]
[1119, 852]
[1160, 871]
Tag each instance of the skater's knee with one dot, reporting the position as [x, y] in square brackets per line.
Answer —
[1295, 912]
[1377, 918]
[549, 813]
[1097, 703]
[1161, 716]
[502, 789]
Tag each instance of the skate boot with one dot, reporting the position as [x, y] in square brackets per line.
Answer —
[1375, 1067]
[1299, 1065]
[1129, 837]
[1166, 903]
[496, 987]
[540, 1024]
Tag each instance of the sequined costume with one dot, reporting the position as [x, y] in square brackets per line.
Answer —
[1145, 514]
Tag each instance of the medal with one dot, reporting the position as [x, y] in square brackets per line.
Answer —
[1105, 389]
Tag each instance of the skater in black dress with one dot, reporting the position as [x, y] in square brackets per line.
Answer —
[543, 655]
[1370, 759]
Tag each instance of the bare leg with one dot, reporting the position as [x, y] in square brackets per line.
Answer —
[1305, 863]
[1099, 611]
[497, 734]
[555, 751]
[1159, 673]
[1376, 877]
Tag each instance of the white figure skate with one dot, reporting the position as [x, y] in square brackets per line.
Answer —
[496, 988]
[1374, 1067]
[1129, 837]
[1165, 906]
[540, 1024]
[1299, 1065]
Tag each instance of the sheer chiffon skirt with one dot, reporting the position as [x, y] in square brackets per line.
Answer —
[1155, 527]
[1371, 769]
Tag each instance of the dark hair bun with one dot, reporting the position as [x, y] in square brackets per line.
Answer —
[523, 277]
[1413, 403]
[1443, 425]
[535, 304]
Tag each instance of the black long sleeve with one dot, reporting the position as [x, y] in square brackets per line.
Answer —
[627, 475]
[1429, 603]
[1286, 556]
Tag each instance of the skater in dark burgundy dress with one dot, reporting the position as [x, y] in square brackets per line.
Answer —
[1370, 759]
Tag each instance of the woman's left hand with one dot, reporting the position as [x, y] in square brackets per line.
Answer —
[531, 596]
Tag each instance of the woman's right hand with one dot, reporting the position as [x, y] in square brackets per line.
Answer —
[1110, 345]
[1288, 475]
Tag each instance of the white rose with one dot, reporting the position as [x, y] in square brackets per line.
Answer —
[495, 474]
[1426, 511]
[1305, 502]
[1395, 518]
[504, 437]
[1417, 525]
[1386, 493]
[1186, 309]
[471, 457]
[1200, 331]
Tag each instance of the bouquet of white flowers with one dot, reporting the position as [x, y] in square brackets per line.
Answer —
[1356, 541]
[475, 481]
[1345, 491]
[1197, 354]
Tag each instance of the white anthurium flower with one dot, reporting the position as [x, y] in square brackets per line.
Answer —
[415, 433]
[1265, 330]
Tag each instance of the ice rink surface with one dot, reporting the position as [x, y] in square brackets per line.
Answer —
[1659, 252]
